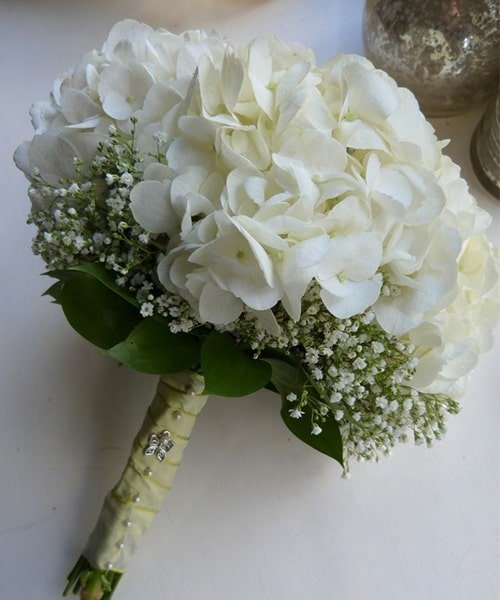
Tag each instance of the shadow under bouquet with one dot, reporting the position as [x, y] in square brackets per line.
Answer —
[230, 216]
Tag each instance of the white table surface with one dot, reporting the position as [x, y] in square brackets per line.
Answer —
[254, 514]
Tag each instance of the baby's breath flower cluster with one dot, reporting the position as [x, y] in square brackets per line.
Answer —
[361, 376]
[88, 219]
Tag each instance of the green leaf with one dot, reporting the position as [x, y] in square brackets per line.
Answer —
[329, 441]
[153, 348]
[99, 272]
[55, 291]
[106, 277]
[97, 313]
[228, 371]
[288, 378]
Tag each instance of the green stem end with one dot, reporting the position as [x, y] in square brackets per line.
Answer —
[90, 583]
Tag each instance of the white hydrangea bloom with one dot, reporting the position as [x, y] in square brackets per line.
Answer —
[268, 173]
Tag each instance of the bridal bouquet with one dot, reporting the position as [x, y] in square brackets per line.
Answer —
[230, 216]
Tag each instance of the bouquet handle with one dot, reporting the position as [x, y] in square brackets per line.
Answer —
[132, 504]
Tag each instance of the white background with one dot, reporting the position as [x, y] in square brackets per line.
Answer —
[254, 514]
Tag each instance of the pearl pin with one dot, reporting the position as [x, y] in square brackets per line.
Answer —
[136, 499]
[108, 566]
[176, 415]
[120, 545]
[148, 472]
[127, 523]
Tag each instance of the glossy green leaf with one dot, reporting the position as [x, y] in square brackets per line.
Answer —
[288, 378]
[106, 277]
[152, 348]
[99, 272]
[228, 371]
[96, 312]
[55, 291]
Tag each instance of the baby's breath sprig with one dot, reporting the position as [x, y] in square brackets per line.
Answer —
[88, 219]
[361, 377]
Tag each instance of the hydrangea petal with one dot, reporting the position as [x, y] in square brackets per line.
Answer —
[260, 66]
[348, 298]
[231, 79]
[356, 256]
[150, 204]
[77, 107]
[322, 156]
[372, 95]
[218, 306]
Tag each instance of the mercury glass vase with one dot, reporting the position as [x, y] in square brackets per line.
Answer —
[485, 149]
[445, 51]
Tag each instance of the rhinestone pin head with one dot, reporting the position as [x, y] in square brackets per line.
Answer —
[159, 444]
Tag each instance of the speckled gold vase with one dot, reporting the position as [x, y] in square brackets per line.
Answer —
[445, 51]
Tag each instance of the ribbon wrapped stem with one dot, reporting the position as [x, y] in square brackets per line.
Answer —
[132, 504]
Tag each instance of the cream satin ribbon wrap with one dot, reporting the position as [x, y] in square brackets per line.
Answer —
[132, 504]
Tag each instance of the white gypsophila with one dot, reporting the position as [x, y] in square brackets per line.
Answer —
[360, 377]
[269, 174]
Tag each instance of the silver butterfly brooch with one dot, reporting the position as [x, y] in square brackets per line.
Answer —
[159, 444]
